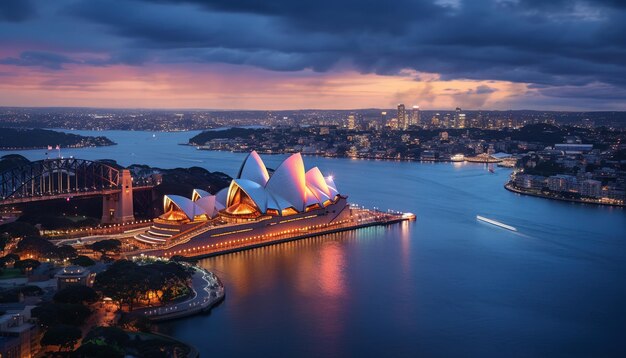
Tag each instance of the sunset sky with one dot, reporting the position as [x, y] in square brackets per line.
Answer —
[327, 54]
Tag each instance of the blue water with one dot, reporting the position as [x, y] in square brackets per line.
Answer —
[443, 286]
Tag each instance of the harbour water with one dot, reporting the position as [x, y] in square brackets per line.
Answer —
[445, 285]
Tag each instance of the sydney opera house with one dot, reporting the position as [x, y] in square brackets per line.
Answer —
[255, 206]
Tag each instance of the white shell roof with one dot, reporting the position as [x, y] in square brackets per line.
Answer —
[331, 186]
[255, 191]
[254, 169]
[187, 206]
[207, 203]
[221, 196]
[315, 180]
[289, 181]
[289, 186]
[198, 193]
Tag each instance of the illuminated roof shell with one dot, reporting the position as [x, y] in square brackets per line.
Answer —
[253, 189]
[185, 205]
[254, 169]
[199, 193]
[289, 181]
[288, 187]
[221, 196]
[208, 205]
[331, 186]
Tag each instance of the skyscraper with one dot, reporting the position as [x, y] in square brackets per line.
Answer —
[402, 120]
[415, 116]
[457, 119]
[351, 122]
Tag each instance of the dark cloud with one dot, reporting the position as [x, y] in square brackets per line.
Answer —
[16, 10]
[560, 43]
[47, 60]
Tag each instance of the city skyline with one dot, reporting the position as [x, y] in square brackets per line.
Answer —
[442, 54]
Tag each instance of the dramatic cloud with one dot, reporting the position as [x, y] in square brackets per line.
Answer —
[16, 10]
[557, 50]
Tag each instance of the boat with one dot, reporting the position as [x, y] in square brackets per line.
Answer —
[496, 223]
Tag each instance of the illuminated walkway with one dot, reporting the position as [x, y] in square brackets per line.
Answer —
[361, 218]
[207, 291]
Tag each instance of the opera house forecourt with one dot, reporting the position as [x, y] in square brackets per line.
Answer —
[257, 209]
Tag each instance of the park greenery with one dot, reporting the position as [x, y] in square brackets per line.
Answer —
[132, 284]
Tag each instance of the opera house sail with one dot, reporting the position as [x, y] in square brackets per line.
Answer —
[255, 209]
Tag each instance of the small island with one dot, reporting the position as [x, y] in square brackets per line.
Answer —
[20, 139]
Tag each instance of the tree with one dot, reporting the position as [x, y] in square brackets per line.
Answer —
[97, 349]
[36, 247]
[9, 259]
[26, 265]
[62, 335]
[76, 294]
[51, 314]
[82, 260]
[129, 283]
[65, 252]
[113, 336]
[104, 246]
[19, 229]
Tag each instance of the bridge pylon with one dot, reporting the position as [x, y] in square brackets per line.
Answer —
[118, 208]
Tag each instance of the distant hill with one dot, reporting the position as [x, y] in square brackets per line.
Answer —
[19, 138]
[230, 133]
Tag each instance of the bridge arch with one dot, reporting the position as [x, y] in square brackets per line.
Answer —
[57, 176]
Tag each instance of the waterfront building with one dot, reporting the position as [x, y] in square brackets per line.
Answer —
[252, 197]
[528, 181]
[591, 188]
[562, 183]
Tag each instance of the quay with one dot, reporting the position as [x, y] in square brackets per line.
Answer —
[360, 218]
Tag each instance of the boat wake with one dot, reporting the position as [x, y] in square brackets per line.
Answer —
[495, 223]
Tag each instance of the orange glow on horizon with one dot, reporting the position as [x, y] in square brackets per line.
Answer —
[220, 86]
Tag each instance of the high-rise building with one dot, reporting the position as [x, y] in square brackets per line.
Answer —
[402, 120]
[461, 121]
[351, 122]
[415, 116]
[457, 118]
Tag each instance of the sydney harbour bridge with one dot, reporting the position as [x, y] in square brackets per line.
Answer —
[59, 178]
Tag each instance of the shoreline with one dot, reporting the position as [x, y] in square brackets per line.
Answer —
[512, 189]
[7, 149]
[208, 291]
[387, 159]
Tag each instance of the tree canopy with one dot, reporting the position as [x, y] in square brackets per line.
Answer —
[130, 283]
[82, 260]
[52, 314]
[76, 294]
[62, 335]
[108, 245]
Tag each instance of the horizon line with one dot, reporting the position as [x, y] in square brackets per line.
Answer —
[301, 109]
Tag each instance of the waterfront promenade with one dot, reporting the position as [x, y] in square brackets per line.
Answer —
[360, 218]
[207, 292]
[510, 187]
